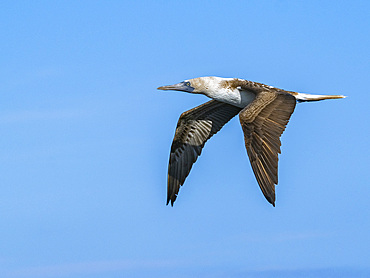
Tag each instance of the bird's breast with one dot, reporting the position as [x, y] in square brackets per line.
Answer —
[239, 98]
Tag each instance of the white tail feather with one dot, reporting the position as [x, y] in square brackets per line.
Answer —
[308, 97]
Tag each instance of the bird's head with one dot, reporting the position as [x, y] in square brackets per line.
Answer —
[198, 85]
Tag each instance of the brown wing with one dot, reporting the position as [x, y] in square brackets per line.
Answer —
[193, 129]
[263, 121]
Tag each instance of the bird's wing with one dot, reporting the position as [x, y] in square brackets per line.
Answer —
[263, 121]
[193, 129]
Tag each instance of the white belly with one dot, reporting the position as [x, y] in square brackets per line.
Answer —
[236, 97]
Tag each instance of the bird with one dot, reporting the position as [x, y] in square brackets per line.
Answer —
[264, 111]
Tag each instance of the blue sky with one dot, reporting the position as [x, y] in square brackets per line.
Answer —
[86, 138]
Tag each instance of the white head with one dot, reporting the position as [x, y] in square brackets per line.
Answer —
[200, 85]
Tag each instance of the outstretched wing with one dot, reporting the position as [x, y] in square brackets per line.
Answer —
[263, 121]
[193, 129]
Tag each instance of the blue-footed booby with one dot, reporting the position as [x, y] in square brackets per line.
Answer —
[264, 112]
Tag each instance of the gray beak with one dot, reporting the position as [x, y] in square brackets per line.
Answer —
[177, 87]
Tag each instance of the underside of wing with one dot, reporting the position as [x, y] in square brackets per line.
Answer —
[263, 121]
[193, 129]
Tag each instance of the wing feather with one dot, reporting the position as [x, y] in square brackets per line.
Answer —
[263, 121]
[193, 129]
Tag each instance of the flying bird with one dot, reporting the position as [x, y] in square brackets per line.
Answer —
[264, 112]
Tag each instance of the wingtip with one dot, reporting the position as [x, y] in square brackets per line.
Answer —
[271, 199]
[168, 202]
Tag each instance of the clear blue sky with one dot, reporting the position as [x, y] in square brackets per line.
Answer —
[85, 139]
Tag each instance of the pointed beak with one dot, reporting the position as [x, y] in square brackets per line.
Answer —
[177, 87]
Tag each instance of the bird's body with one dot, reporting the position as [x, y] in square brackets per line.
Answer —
[264, 112]
[222, 89]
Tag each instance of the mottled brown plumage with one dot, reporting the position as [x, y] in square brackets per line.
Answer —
[193, 129]
[264, 111]
[263, 121]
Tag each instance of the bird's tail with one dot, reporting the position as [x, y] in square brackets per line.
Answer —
[301, 97]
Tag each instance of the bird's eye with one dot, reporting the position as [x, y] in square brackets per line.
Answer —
[187, 84]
